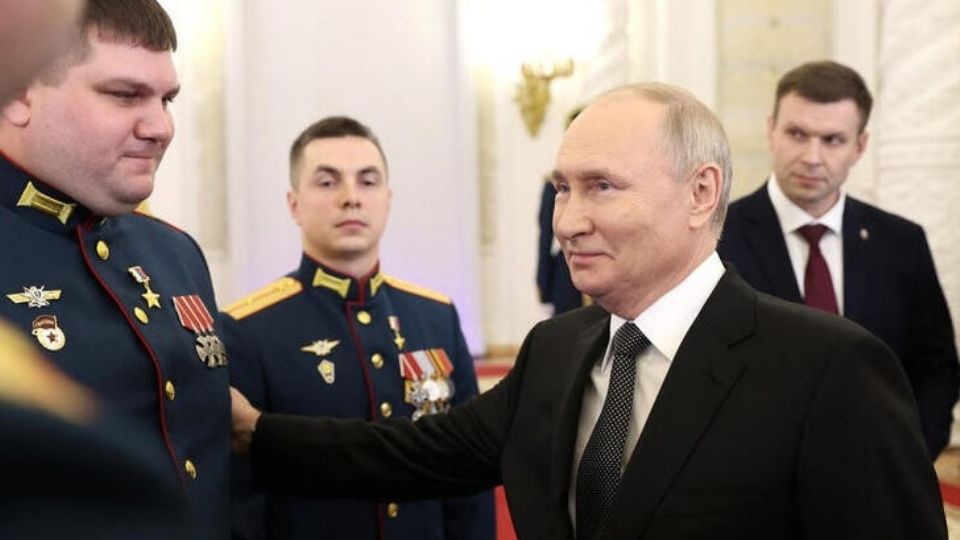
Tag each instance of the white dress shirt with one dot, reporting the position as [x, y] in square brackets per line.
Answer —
[665, 323]
[792, 217]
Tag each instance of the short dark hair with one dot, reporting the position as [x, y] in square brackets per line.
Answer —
[331, 127]
[138, 23]
[826, 81]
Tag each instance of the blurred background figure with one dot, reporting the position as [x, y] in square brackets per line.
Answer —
[31, 34]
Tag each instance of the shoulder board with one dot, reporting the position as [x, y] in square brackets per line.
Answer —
[413, 288]
[264, 297]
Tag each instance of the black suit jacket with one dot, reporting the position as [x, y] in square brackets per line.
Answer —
[890, 288]
[774, 421]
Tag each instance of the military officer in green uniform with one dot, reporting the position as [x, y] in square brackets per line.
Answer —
[339, 337]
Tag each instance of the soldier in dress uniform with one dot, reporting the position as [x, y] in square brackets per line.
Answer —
[338, 337]
[119, 301]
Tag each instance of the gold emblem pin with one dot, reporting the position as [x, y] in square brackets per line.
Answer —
[320, 347]
[327, 371]
[35, 297]
[48, 333]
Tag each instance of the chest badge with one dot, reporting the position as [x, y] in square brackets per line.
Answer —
[195, 317]
[399, 340]
[48, 333]
[328, 371]
[141, 277]
[35, 297]
[426, 381]
[320, 347]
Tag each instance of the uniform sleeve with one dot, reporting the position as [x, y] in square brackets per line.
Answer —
[248, 508]
[441, 455]
[471, 517]
[863, 472]
[931, 354]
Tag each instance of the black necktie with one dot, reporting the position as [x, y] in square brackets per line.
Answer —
[598, 478]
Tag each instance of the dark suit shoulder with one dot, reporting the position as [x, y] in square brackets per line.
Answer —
[809, 327]
[572, 321]
[860, 211]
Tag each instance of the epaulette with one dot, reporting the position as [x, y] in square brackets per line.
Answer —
[29, 380]
[264, 297]
[413, 288]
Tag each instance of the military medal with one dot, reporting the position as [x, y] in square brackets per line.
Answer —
[394, 323]
[140, 275]
[320, 347]
[35, 297]
[327, 371]
[195, 317]
[48, 333]
[427, 386]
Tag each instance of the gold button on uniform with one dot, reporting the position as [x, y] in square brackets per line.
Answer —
[170, 390]
[103, 250]
[141, 315]
[191, 469]
[364, 317]
[386, 409]
[377, 360]
[393, 510]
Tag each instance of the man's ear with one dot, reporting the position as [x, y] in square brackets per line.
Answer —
[17, 111]
[706, 188]
[293, 205]
[862, 139]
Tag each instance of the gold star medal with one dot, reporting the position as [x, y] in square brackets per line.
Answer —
[394, 322]
[140, 275]
[35, 297]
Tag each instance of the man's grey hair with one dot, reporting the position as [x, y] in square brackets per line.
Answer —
[693, 136]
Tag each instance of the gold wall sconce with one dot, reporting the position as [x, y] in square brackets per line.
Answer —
[533, 93]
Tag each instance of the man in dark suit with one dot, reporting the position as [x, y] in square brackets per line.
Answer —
[872, 267]
[683, 405]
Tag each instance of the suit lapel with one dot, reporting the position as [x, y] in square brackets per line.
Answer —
[587, 349]
[769, 247]
[856, 278]
[699, 379]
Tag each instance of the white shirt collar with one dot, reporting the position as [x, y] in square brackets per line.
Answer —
[792, 217]
[666, 321]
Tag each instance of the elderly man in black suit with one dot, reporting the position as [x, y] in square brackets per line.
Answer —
[682, 405]
[870, 266]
